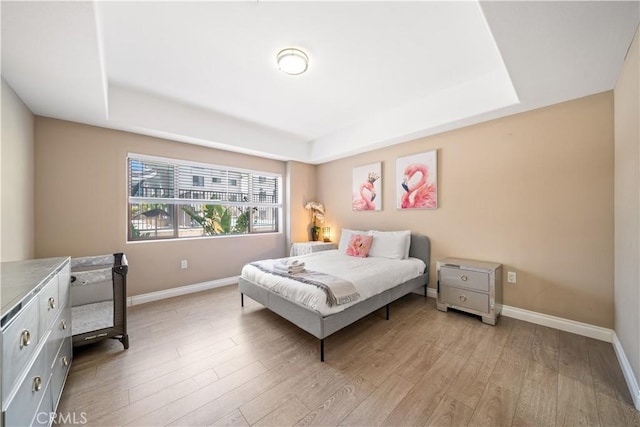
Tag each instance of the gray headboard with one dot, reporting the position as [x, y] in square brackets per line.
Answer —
[420, 248]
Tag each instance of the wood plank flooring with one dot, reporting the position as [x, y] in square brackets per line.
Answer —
[202, 360]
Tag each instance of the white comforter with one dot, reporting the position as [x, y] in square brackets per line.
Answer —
[370, 276]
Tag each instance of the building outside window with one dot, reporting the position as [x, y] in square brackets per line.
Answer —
[173, 199]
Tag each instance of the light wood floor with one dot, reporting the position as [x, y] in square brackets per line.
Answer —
[201, 359]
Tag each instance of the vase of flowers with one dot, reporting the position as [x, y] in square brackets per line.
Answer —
[317, 217]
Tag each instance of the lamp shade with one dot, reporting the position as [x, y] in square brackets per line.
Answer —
[326, 234]
[292, 61]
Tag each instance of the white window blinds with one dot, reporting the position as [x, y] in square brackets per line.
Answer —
[172, 198]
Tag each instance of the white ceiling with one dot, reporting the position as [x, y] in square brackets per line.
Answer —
[380, 73]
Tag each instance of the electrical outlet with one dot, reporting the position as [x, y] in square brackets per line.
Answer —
[183, 264]
[511, 277]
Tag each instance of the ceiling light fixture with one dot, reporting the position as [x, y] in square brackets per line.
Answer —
[292, 61]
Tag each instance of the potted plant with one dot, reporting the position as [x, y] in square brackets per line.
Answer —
[317, 218]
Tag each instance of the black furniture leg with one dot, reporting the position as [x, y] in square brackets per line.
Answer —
[387, 311]
[241, 299]
[322, 350]
[125, 341]
[425, 291]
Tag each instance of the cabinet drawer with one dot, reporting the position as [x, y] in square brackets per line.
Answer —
[49, 304]
[60, 330]
[60, 369]
[464, 298]
[476, 280]
[20, 341]
[23, 406]
[44, 415]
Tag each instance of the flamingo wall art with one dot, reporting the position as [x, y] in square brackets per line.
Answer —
[417, 181]
[367, 188]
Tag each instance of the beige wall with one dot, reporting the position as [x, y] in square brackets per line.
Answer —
[533, 191]
[81, 206]
[627, 207]
[301, 182]
[16, 151]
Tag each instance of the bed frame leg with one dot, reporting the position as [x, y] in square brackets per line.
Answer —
[241, 299]
[425, 291]
[322, 350]
[387, 311]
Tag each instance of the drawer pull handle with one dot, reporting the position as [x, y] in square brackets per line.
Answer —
[463, 298]
[65, 361]
[37, 384]
[63, 324]
[25, 338]
[52, 303]
[464, 278]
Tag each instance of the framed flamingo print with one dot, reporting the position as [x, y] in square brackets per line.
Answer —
[366, 194]
[417, 181]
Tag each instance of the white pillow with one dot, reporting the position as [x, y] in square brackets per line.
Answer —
[390, 244]
[345, 237]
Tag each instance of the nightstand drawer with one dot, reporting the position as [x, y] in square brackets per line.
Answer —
[452, 276]
[464, 298]
[304, 248]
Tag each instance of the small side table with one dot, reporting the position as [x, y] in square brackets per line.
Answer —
[471, 286]
[304, 248]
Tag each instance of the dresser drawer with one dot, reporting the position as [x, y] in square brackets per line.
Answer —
[60, 330]
[45, 414]
[464, 298]
[469, 279]
[19, 342]
[49, 303]
[60, 369]
[22, 408]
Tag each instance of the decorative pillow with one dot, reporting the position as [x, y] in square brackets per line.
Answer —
[390, 244]
[359, 245]
[345, 237]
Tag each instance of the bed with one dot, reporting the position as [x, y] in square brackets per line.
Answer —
[322, 321]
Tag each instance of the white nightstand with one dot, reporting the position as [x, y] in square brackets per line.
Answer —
[304, 248]
[471, 286]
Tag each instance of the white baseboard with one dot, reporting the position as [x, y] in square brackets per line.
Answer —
[579, 328]
[432, 293]
[182, 290]
[632, 383]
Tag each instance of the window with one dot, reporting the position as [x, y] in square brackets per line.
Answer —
[163, 203]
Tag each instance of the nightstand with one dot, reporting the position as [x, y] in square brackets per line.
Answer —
[471, 286]
[304, 248]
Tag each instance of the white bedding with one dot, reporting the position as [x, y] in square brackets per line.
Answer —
[370, 276]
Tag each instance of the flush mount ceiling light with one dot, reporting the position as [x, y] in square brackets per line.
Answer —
[292, 61]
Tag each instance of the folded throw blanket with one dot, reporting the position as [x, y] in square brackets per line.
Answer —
[337, 290]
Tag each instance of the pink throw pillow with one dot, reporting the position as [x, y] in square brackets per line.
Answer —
[359, 245]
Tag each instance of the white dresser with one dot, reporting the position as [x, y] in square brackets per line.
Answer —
[471, 286]
[36, 339]
[304, 248]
